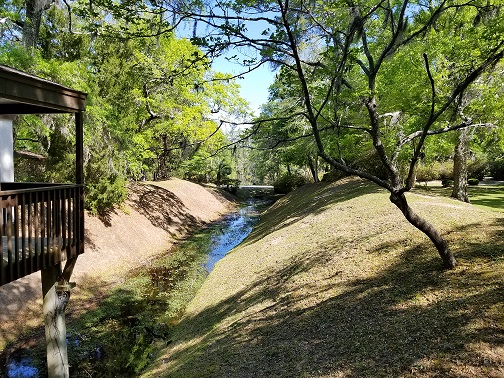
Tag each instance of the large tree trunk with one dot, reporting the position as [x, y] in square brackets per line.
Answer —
[31, 26]
[428, 229]
[460, 167]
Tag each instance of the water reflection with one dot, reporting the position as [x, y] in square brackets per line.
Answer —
[232, 230]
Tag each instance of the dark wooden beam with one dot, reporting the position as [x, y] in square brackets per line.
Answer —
[19, 108]
[22, 93]
[79, 173]
[79, 145]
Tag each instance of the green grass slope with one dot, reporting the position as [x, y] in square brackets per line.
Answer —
[335, 283]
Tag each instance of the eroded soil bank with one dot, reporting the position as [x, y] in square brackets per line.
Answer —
[155, 216]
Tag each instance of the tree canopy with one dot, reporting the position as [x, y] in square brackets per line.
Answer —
[153, 99]
[380, 75]
[370, 87]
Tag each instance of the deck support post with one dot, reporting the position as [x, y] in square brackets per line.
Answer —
[6, 149]
[56, 295]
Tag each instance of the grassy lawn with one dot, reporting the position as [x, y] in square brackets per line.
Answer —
[485, 196]
[335, 283]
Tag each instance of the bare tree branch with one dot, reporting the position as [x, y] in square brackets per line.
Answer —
[443, 130]
[69, 9]
[432, 85]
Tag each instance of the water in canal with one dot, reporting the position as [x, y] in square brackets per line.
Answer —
[232, 230]
[225, 234]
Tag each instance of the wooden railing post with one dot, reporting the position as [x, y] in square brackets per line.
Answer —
[79, 179]
[56, 294]
[3, 271]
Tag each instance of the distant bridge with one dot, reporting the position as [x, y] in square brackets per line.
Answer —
[256, 191]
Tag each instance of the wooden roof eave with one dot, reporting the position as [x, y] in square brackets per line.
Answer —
[21, 93]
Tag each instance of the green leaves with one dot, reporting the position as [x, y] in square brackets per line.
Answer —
[152, 99]
[166, 96]
[357, 74]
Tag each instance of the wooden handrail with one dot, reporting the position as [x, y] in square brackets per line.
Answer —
[32, 187]
[41, 226]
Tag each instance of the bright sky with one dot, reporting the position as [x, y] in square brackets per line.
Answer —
[254, 85]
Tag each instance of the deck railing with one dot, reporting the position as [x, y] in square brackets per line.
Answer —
[40, 225]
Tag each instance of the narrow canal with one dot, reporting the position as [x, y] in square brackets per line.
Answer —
[232, 230]
[142, 312]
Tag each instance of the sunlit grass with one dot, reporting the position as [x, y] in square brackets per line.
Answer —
[335, 283]
[487, 197]
[484, 196]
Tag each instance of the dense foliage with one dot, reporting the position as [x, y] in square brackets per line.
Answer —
[380, 89]
[366, 85]
[152, 105]
[418, 75]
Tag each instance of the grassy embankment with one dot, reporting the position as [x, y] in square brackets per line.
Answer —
[334, 282]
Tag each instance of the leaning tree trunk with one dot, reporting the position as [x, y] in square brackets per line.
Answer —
[460, 167]
[428, 229]
[313, 164]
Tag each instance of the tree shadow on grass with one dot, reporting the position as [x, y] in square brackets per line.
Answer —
[409, 319]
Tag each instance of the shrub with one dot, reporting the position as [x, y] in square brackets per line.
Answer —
[446, 183]
[436, 170]
[445, 170]
[477, 168]
[333, 175]
[103, 195]
[104, 187]
[231, 185]
[473, 181]
[287, 183]
[426, 173]
[497, 168]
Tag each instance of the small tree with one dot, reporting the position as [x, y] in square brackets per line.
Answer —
[223, 171]
[356, 63]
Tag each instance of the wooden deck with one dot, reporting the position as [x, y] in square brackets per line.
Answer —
[40, 225]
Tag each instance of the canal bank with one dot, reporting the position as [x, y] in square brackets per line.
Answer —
[155, 217]
[140, 312]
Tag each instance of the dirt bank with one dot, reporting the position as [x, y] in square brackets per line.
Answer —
[153, 218]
